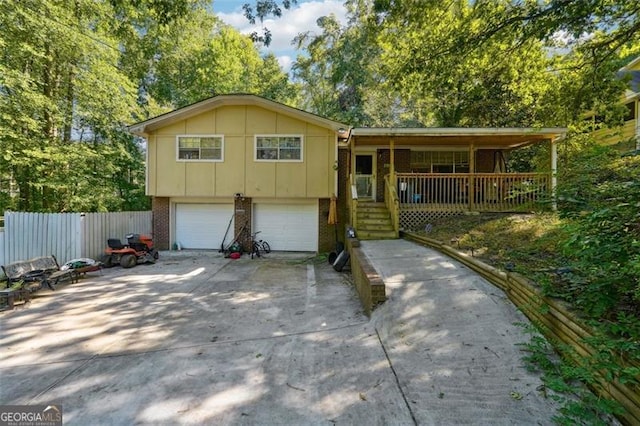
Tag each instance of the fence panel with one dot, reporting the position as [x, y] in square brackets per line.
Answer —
[66, 235]
[28, 235]
[1, 247]
[98, 227]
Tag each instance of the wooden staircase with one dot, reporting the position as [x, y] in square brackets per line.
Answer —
[374, 222]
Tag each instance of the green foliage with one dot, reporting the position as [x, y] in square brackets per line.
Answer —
[58, 105]
[202, 57]
[427, 55]
[601, 193]
[72, 77]
[261, 10]
[564, 381]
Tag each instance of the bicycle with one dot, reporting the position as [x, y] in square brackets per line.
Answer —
[258, 245]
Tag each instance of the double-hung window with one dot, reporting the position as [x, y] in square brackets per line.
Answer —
[200, 148]
[278, 148]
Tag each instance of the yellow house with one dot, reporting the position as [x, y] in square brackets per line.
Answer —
[630, 129]
[232, 165]
[235, 164]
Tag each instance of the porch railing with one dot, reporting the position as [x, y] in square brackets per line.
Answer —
[392, 202]
[475, 192]
[352, 201]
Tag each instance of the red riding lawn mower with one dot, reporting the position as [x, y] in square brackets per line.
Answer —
[139, 249]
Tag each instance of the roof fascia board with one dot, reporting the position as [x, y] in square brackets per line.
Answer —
[630, 64]
[151, 124]
[455, 131]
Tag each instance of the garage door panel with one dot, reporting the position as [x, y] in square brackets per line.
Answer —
[288, 227]
[202, 226]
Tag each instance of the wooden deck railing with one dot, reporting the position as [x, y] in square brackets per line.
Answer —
[475, 192]
[392, 202]
[352, 201]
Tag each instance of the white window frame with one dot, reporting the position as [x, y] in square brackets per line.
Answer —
[277, 160]
[205, 160]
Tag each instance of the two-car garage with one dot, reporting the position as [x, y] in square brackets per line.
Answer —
[286, 226]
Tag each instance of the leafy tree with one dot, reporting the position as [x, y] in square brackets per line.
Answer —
[58, 83]
[71, 76]
[340, 76]
[598, 28]
[201, 57]
[261, 10]
[600, 192]
[427, 56]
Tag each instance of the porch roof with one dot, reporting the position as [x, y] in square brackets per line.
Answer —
[487, 137]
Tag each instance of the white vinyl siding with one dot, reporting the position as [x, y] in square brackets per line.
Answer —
[278, 148]
[200, 147]
[287, 227]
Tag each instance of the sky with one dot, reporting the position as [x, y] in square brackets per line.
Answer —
[300, 18]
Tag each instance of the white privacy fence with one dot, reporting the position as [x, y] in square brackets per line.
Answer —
[66, 235]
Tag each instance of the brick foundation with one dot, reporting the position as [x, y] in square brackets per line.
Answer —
[343, 186]
[161, 224]
[243, 222]
[326, 232]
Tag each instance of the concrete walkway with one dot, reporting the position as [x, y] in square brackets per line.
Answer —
[199, 339]
[452, 340]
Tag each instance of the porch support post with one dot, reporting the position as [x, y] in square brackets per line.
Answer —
[392, 153]
[352, 172]
[391, 196]
[472, 170]
[392, 166]
[554, 174]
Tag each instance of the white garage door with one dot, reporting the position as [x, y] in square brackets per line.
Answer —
[287, 227]
[202, 226]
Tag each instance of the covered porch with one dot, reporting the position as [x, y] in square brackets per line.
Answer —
[418, 174]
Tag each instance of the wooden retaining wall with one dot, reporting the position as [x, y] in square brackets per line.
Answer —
[369, 285]
[556, 321]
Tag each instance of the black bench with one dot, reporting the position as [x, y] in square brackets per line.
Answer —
[37, 273]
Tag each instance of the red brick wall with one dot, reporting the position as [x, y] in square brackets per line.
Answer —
[161, 224]
[485, 160]
[402, 165]
[326, 232]
[343, 187]
[242, 208]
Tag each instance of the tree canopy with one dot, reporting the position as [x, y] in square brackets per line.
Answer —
[73, 74]
[460, 63]
[69, 87]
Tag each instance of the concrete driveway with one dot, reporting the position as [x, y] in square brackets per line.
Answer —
[199, 339]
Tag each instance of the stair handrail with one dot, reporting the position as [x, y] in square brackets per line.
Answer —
[392, 202]
[353, 202]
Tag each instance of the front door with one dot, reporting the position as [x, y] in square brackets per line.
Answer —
[365, 176]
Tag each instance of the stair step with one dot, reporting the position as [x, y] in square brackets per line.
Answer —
[372, 210]
[376, 235]
[374, 222]
[381, 228]
[364, 221]
[376, 216]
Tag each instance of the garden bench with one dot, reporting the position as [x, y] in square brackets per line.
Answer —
[37, 273]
